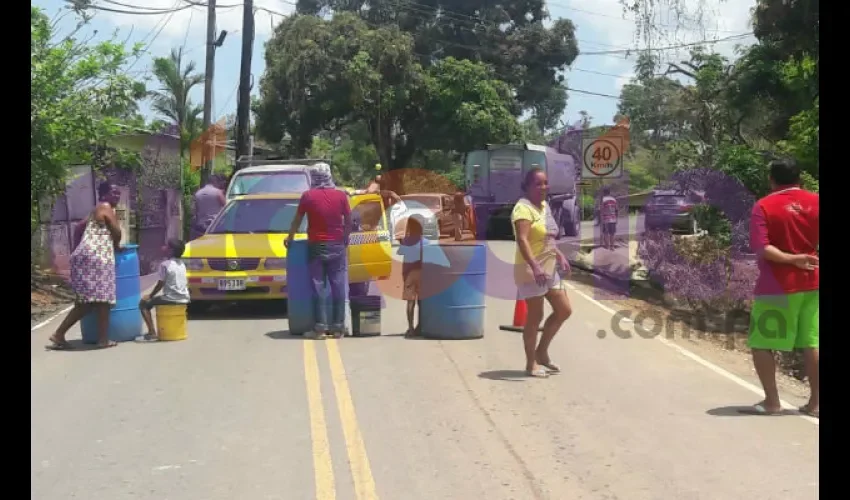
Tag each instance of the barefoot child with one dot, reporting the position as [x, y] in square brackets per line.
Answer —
[411, 251]
[172, 282]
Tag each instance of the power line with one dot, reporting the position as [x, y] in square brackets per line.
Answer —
[593, 53]
[164, 22]
[609, 16]
[150, 12]
[158, 10]
[670, 47]
[229, 98]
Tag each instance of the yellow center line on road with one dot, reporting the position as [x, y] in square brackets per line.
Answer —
[361, 471]
[322, 463]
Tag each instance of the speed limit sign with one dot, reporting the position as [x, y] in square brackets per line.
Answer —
[602, 158]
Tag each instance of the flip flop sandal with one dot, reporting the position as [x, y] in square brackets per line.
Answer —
[811, 413]
[538, 373]
[59, 346]
[108, 345]
[552, 367]
[147, 338]
[759, 409]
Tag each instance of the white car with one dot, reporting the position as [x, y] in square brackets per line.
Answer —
[402, 211]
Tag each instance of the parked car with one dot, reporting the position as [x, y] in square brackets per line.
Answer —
[670, 209]
[428, 208]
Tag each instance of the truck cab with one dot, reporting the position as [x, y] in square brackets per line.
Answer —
[493, 177]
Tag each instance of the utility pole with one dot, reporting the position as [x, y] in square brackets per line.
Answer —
[243, 112]
[206, 170]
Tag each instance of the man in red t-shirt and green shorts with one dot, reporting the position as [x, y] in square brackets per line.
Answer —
[784, 233]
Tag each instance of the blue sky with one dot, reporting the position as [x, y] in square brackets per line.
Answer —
[600, 26]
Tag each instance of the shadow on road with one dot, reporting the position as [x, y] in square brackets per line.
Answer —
[504, 375]
[271, 309]
[77, 345]
[742, 411]
[283, 335]
[401, 335]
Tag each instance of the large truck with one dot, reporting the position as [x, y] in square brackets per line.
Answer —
[493, 178]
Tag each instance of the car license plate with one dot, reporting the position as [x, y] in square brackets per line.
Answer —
[228, 285]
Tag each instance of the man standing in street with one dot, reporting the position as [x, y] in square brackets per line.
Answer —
[208, 202]
[609, 211]
[784, 233]
[328, 226]
[459, 213]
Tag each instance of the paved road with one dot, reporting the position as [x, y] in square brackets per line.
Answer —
[243, 410]
[632, 224]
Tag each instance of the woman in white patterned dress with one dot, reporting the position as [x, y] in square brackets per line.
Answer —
[93, 270]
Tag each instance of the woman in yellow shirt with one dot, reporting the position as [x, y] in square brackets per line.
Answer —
[539, 269]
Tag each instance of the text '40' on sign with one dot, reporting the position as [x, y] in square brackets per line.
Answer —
[602, 158]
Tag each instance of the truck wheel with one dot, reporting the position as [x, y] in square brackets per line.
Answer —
[571, 227]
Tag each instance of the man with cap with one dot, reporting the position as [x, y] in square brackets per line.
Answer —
[328, 225]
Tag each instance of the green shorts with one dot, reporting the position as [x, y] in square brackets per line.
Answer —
[785, 322]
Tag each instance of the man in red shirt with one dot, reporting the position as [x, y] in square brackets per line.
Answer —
[328, 225]
[784, 234]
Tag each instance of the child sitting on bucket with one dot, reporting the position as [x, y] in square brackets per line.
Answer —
[173, 284]
[411, 251]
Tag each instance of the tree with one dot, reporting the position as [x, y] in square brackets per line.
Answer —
[78, 96]
[325, 75]
[172, 99]
[511, 37]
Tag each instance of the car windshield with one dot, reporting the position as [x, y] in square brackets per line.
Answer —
[269, 183]
[432, 202]
[257, 217]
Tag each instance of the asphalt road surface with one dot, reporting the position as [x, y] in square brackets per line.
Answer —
[242, 410]
[632, 224]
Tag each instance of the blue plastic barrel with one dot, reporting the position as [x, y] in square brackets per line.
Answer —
[454, 279]
[299, 286]
[125, 321]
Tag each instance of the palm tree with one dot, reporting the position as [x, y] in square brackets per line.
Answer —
[172, 100]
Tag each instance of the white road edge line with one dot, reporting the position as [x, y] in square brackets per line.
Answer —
[65, 310]
[48, 320]
[708, 364]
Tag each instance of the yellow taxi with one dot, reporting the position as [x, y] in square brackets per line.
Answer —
[242, 255]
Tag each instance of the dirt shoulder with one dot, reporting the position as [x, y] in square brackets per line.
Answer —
[49, 294]
[715, 339]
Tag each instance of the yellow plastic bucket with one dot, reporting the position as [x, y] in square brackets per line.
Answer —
[172, 322]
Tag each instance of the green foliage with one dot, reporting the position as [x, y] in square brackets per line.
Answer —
[519, 41]
[645, 170]
[466, 107]
[588, 206]
[191, 183]
[809, 182]
[325, 74]
[78, 98]
[746, 165]
[172, 100]
[530, 132]
[803, 141]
